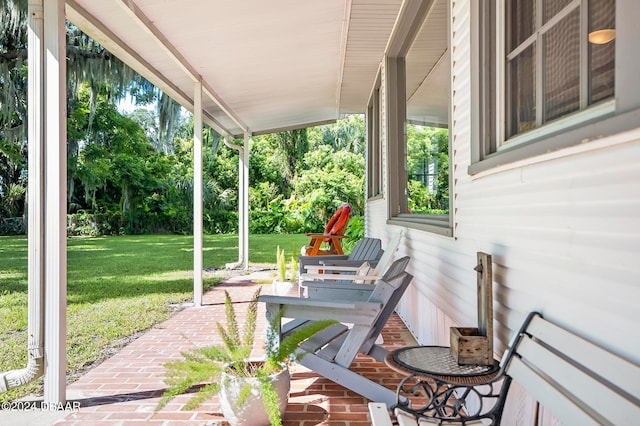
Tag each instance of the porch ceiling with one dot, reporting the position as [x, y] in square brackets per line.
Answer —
[264, 65]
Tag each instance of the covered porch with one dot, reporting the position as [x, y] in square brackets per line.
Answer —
[545, 204]
[243, 69]
[125, 389]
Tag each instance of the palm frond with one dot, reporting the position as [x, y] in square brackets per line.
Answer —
[232, 339]
[203, 394]
[229, 343]
[252, 317]
[270, 400]
[182, 375]
[289, 345]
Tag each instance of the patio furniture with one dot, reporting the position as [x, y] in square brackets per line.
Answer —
[332, 235]
[358, 289]
[579, 382]
[367, 249]
[321, 284]
[331, 352]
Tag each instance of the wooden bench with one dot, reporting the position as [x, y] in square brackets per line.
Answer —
[578, 382]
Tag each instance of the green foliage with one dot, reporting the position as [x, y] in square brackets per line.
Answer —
[347, 134]
[281, 265]
[328, 174]
[427, 169]
[137, 169]
[209, 363]
[93, 225]
[355, 232]
[331, 179]
[116, 286]
[293, 265]
[12, 226]
[122, 180]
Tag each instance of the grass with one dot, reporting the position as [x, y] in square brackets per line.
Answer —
[116, 287]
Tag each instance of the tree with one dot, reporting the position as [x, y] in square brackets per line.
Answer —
[289, 148]
[330, 179]
[428, 169]
[89, 67]
[347, 134]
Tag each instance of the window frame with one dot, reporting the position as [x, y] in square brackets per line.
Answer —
[620, 114]
[410, 20]
[374, 142]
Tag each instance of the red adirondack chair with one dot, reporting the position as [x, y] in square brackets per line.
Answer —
[333, 234]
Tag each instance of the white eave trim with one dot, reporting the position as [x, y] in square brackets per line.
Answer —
[165, 45]
[343, 52]
[287, 128]
[91, 25]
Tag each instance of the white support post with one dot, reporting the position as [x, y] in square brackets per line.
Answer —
[197, 194]
[35, 191]
[55, 190]
[240, 207]
[245, 201]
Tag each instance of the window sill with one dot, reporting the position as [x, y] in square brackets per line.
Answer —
[595, 112]
[423, 223]
[571, 141]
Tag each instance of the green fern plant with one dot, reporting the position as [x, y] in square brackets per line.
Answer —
[207, 365]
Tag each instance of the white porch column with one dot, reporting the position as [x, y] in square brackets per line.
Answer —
[245, 201]
[197, 194]
[241, 227]
[55, 206]
[241, 210]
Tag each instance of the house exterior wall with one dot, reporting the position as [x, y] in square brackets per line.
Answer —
[563, 229]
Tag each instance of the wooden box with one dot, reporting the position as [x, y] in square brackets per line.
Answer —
[471, 345]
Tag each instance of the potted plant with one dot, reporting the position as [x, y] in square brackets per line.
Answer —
[251, 391]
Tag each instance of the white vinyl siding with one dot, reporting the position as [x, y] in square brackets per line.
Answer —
[563, 229]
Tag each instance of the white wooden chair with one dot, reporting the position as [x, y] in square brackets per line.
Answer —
[366, 250]
[331, 352]
[348, 274]
[351, 290]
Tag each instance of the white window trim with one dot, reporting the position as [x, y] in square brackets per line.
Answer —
[586, 133]
[567, 121]
[374, 142]
[411, 17]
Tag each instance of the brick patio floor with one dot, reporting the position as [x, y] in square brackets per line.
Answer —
[125, 389]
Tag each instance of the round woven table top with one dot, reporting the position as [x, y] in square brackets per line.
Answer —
[438, 363]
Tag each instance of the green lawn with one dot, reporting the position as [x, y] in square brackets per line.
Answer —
[116, 287]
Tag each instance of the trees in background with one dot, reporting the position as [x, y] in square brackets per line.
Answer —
[326, 176]
[133, 173]
[93, 75]
[125, 185]
[428, 169]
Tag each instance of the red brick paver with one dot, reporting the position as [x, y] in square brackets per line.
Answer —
[125, 389]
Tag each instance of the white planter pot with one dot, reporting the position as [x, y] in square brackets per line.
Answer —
[283, 288]
[252, 411]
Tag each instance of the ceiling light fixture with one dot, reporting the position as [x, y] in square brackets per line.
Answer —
[602, 36]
